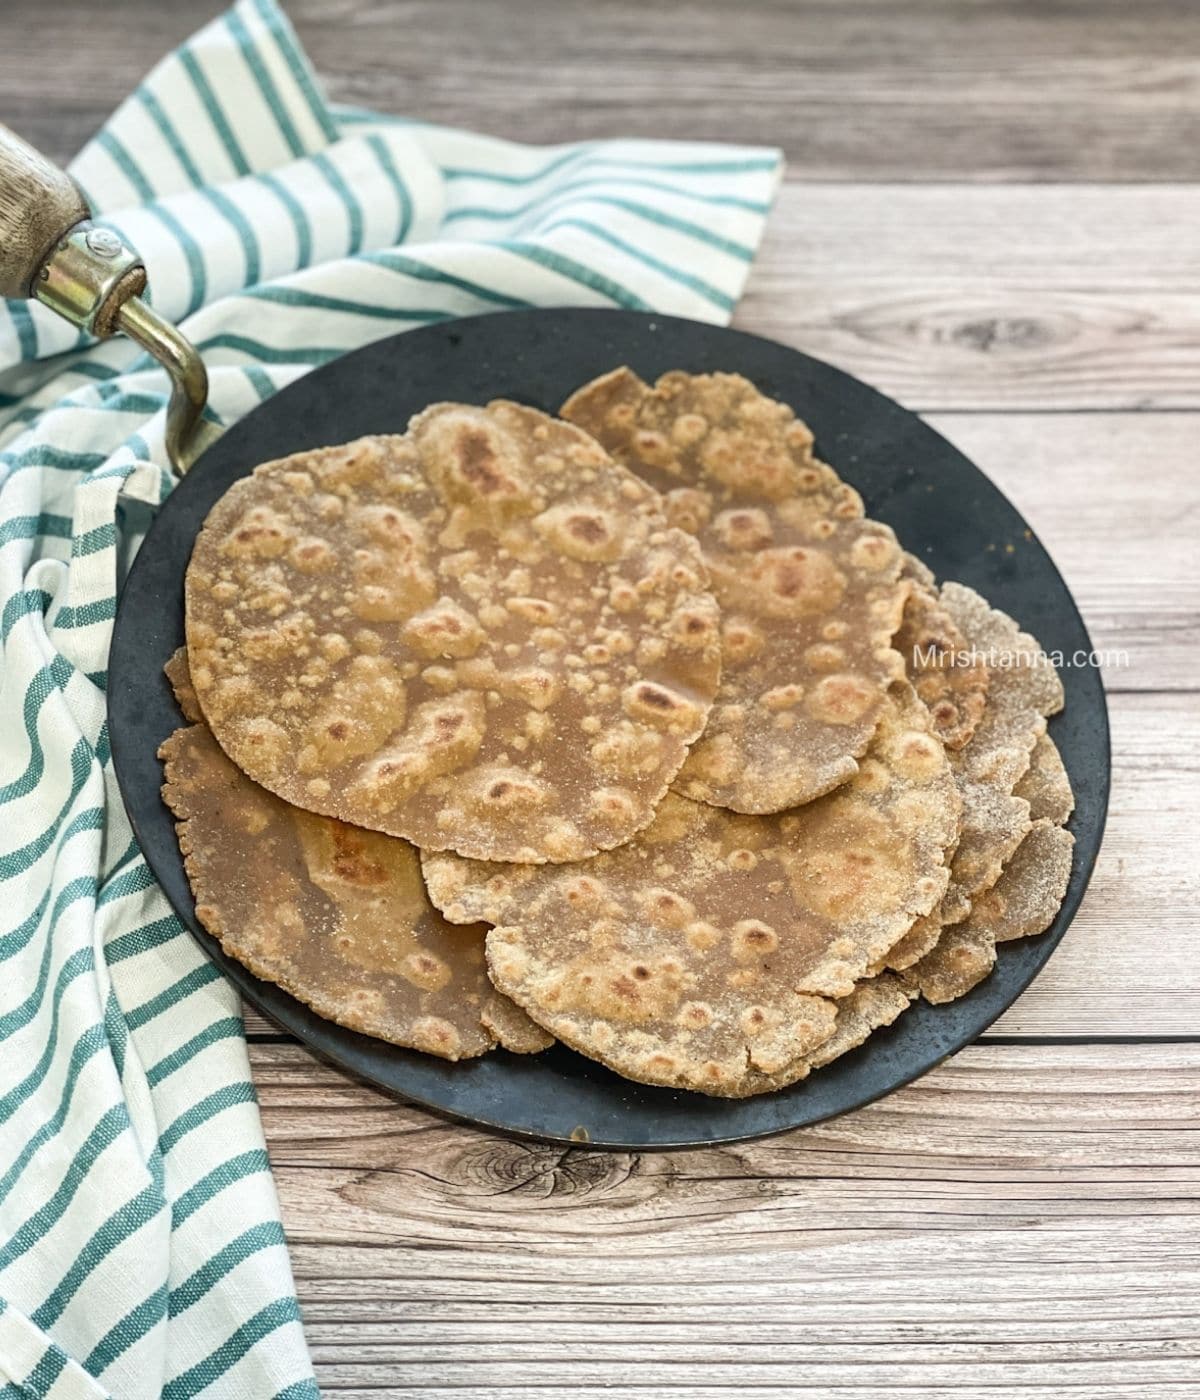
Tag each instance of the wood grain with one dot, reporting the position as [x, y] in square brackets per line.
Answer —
[959, 297]
[853, 89]
[1020, 1223]
[1113, 498]
[993, 297]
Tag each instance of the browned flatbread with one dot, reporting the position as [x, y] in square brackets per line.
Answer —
[335, 915]
[993, 826]
[919, 940]
[179, 677]
[938, 661]
[1045, 786]
[1022, 689]
[512, 1028]
[874, 1003]
[994, 823]
[703, 954]
[1023, 902]
[809, 590]
[481, 636]
[1013, 884]
[962, 957]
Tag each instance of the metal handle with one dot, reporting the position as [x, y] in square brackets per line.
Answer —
[50, 251]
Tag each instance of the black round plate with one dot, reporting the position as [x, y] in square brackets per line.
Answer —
[942, 508]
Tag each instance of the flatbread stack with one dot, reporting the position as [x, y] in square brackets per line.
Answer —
[625, 728]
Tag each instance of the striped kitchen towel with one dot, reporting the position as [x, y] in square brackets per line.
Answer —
[141, 1250]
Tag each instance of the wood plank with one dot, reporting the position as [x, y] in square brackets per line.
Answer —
[1021, 1222]
[1112, 497]
[57, 96]
[1002, 297]
[853, 89]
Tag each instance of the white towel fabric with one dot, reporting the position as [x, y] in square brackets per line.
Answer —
[141, 1251]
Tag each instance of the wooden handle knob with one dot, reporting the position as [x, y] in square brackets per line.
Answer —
[38, 204]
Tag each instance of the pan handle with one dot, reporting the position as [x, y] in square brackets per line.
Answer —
[50, 251]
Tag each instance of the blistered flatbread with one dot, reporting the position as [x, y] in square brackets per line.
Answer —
[481, 636]
[809, 590]
[706, 952]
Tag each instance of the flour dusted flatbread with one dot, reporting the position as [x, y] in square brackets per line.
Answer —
[512, 1028]
[481, 636]
[1023, 902]
[1045, 786]
[962, 957]
[809, 590]
[1023, 688]
[1017, 860]
[1025, 899]
[703, 954]
[874, 1003]
[920, 939]
[179, 677]
[993, 825]
[951, 680]
[336, 915]
[1027, 896]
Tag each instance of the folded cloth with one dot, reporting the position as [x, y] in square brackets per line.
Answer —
[141, 1250]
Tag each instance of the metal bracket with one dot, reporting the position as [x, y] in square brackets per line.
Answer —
[94, 279]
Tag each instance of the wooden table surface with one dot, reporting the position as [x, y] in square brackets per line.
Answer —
[992, 211]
